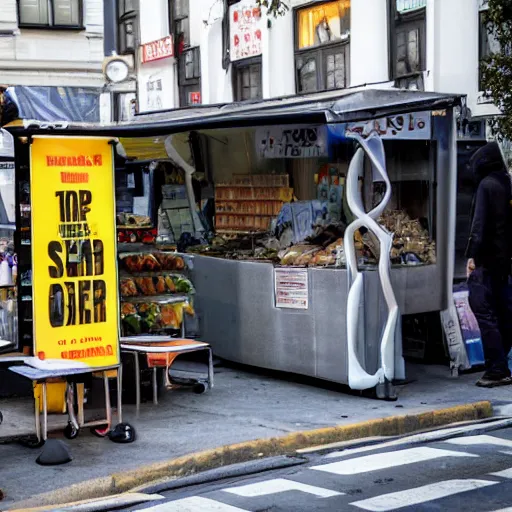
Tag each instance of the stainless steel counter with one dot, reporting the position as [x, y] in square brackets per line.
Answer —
[237, 314]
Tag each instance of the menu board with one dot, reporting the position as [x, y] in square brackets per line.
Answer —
[291, 288]
[74, 271]
[245, 30]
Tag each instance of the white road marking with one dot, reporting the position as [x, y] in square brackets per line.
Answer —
[194, 504]
[508, 509]
[506, 473]
[396, 500]
[483, 439]
[387, 460]
[279, 485]
[425, 437]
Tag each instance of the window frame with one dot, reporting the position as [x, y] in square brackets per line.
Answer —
[396, 20]
[173, 25]
[319, 53]
[123, 18]
[237, 66]
[483, 41]
[186, 85]
[51, 17]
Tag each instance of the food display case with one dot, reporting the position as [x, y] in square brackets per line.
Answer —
[8, 257]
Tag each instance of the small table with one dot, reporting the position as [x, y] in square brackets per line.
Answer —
[171, 347]
[39, 372]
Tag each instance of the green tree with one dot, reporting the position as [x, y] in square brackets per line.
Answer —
[497, 66]
[274, 7]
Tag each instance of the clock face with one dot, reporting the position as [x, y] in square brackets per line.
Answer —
[116, 71]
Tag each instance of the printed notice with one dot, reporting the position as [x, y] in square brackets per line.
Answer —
[291, 288]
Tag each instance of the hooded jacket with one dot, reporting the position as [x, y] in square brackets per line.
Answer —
[490, 240]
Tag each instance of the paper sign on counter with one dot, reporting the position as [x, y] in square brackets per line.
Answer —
[291, 288]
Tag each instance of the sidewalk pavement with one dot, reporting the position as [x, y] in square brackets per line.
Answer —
[242, 406]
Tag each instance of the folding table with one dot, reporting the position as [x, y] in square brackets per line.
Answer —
[165, 345]
[40, 372]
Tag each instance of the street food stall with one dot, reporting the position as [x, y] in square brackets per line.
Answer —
[258, 200]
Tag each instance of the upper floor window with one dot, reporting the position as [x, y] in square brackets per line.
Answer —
[189, 77]
[50, 13]
[487, 41]
[408, 40]
[179, 24]
[247, 83]
[322, 46]
[127, 20]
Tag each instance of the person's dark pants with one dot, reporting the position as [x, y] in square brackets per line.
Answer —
[490, 298]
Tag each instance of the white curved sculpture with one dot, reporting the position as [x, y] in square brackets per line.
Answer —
[358, 378]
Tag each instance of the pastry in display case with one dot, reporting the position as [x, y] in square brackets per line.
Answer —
[154, 294]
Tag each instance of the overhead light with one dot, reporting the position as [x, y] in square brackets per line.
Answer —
[116, 70]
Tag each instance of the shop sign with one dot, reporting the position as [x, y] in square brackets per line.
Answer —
[291, 141]
[156, 50]
[194, 98]
[409, 5]
[291, 288]
[405, 126]
[245, 30]
[74, 250]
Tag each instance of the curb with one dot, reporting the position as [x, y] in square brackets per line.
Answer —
[125, 481]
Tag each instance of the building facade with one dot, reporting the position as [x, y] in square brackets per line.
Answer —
[229, 50]
[51, 53]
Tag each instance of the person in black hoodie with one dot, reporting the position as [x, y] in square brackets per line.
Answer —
[489, 253]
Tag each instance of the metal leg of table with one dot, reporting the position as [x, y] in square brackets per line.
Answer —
[70, 400]
[45, 413]
[37, 416]
[210, 368]
[120, 394]
[137, 381]
[155, 386]
[108, 408]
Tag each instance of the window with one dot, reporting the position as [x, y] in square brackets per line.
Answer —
[189, 77]
[487, 44]
[127, 12]
[247, 80]
[50, 13]
[322, 46]
[179, 24]
[408, 48]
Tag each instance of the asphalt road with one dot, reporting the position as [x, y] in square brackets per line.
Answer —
[472, 473]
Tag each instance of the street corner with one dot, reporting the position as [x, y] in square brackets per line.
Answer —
[171, 471]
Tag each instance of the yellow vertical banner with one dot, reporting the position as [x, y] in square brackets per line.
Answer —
[74, 269]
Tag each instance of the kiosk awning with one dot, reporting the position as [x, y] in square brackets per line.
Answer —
[327, 107]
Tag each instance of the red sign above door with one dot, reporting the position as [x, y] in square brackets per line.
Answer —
[156, 50]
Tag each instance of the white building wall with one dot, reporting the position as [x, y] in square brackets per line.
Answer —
[452, 51]
[52, 57]
[368, 42]
[280, 57]
[154, 25]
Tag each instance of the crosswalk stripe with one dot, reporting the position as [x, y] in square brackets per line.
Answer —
[194, 504]
[506, 473]
[396, 500]
[386, 460]
[483, 439]
[279, 485]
